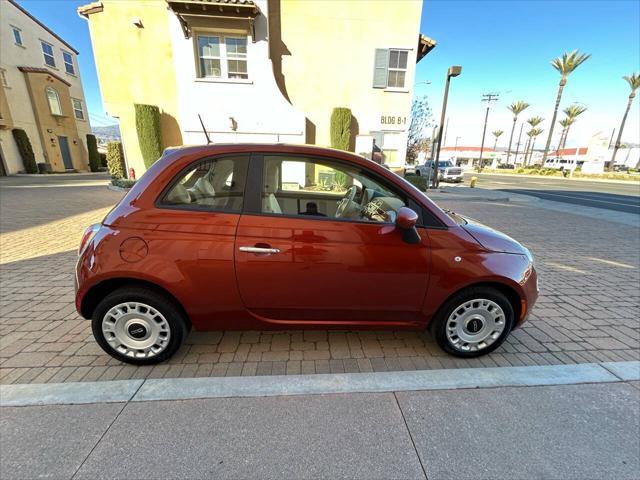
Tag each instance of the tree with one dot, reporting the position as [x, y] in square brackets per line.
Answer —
[533, 123]
[634, 83]
[516, 108]
[533, 134]
[565, 123]
[565, 65]
[149, 132]
[94, 156]
[25, 149]
[115, 160]
[497, 134]
[418, 137]
[341, 128]
[572, 112]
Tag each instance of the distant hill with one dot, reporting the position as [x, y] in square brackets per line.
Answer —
[110, 131]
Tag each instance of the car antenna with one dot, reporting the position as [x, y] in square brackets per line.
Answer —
[204, 130]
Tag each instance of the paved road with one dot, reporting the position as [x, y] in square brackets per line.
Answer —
[620, 197]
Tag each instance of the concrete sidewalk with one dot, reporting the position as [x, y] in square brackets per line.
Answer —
[579, 430]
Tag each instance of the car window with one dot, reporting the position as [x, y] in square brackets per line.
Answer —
[214, 184]
[319, 188]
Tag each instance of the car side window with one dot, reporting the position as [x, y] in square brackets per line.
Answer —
[215, 184]
[312, 187]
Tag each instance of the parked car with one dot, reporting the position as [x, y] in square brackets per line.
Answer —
[409, 169]
[559, 163]
[448, 172]
[209, 239]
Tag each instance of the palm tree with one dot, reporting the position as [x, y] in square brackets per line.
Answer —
[533, 134]
[634, 83]
[565, 123]
[497, 134]
[516, 108]
[564, 65]
[533, 122]
[572, 112]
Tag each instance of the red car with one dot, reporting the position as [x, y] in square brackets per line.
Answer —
[277, 236]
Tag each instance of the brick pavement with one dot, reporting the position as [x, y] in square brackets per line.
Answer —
[589, 308]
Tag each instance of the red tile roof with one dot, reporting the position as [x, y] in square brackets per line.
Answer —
[466, 149]
[569, 152]
[43, 70]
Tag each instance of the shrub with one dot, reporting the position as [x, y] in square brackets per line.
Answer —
[94, 156]
[25, 149]
[103, 159]
[341, 128]
[115, 160]
[417, 181]
[149, 133]
[123, 182]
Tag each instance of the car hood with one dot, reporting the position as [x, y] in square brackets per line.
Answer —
[492, 239]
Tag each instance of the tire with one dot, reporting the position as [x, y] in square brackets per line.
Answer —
[418, 174]
[475, 307]
[130, 313]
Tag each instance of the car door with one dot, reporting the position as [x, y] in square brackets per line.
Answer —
[297, 263]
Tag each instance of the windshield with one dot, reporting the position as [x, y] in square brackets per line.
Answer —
[446, 163]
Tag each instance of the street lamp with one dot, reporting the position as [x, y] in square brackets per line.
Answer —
[453, 71]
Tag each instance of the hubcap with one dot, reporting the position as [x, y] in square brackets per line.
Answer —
[475, 324]
[136, 330]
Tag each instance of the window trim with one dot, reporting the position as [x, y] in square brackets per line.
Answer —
[44, 54]
[3, 78]
[17, 30]
[203, 208]
[75, 110]
[253, 202]
[46, 93]
[223, 57]
[394, 69]
[66, 64]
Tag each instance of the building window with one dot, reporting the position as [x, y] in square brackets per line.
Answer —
[222, 57]
[397, 68]
[47, 51]
[77, 108]
[54, 101]
[68, 62]
[3, 77]
[17, 35]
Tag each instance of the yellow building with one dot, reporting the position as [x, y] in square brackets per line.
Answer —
[40, 93]
[260, 70]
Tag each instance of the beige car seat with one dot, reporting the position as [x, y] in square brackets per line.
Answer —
[269, 201]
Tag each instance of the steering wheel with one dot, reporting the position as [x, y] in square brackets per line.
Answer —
[349, 197]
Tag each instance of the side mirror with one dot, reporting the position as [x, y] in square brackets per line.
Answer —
[406, 221]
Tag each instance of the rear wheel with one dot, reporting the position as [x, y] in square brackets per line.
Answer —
[138, 325]
[474, 322]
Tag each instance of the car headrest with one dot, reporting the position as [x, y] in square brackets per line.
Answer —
[178, 195]
[203, 188]
[271, 177]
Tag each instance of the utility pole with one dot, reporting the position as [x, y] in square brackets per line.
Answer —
[613, 132]
[453, 71]
[487, 97]
[515, 158]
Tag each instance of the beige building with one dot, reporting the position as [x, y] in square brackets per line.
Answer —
[40, 93]
[259, 70]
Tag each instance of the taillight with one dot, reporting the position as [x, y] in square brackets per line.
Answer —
[87, 236]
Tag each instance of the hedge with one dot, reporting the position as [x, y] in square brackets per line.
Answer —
[103, 159]
[25, 149]
[419, 182]
[341, 128]
[123, 182]
[149, 133]
[115, 160]
[94, 156]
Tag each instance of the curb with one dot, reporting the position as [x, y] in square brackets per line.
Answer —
[320, 384]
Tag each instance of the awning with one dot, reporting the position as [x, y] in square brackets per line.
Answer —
[425, 45]
[226, 9]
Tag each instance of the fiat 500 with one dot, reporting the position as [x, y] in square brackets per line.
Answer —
[287, 237]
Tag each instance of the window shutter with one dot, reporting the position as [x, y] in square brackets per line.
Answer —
[380, 67]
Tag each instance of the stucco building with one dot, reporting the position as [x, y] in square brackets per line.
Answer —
[40, 93]
[259, 70]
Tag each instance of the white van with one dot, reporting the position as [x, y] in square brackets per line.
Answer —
[563, 163]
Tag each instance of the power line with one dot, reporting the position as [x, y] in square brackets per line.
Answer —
[489, 98]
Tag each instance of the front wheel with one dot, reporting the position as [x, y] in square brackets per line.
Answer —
[474, 322]
[139, 326]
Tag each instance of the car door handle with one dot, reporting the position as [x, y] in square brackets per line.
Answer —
[262, 250]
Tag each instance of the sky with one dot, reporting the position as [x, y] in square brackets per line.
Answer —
[503, 46]
[506, 46]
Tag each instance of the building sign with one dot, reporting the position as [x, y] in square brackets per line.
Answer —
[393, 120]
